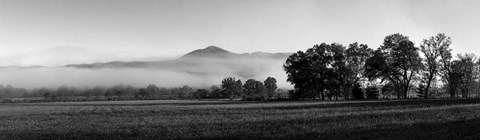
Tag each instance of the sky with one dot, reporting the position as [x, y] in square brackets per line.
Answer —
[59, 32]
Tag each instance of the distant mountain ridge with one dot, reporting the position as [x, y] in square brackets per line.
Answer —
[195, 57]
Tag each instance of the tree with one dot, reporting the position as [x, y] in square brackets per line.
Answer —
[141, 93]
[455, 76]
[215, 92]
[152, 90]
[421, 91]
[98, 91]
[200, 94]
[340, 74]
[62, 92]
[408, 62]
[312, 71]
[299, 69]
[326, 70]
[357, 92]
[270, 85]
[185, 91]
[355, 59]
[465, 67]
[254, 90]
[431, 48]
[130, 91]
[396, 61]
[109, 93]
[88, 92]
[232, 87]
[118, 91]
[48, 95]
[445, 53]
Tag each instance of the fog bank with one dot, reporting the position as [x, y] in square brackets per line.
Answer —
[138, 77]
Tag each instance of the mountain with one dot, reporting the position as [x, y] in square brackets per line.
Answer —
[208, 62]
[217, 52]
[210, 54]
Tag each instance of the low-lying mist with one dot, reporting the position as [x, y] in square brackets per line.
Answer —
[199, 75]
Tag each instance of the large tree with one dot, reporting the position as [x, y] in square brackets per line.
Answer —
[466, 66]
[311, 71]
[431, 48]
[327, 70]
[231, 87]
[446, 69]
[408, 62]
[254, 90]
[396, 61]
[300, 72]
[355, 58]
[455, 76]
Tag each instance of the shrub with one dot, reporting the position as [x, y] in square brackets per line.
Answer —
[372, 93]
[357, 92]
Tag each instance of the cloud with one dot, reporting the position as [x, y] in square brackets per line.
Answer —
[200, 76]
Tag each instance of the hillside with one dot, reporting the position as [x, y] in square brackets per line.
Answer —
[210, 61]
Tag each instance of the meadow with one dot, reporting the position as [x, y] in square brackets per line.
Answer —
[182, 119]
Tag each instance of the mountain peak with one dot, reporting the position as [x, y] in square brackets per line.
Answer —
[213, 48]
[210, 51]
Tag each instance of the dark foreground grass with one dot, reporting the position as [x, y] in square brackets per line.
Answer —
[411, 119]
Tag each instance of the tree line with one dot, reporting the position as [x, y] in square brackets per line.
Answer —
[229, 89]
[398, 68]
[251, 89]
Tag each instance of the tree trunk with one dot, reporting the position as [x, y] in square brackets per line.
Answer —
[427, 89]
[323, 95]
[452, 90]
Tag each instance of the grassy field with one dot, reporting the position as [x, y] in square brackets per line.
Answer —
[411, 119]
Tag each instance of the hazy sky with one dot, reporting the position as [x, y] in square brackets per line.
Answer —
[58, 32]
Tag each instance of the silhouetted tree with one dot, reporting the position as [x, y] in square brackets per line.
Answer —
[449, 76]
[356, 56]
[232, 87]
[431, 49]
[466, 66]
[396, 61]
[408, 61]
[301, 73]
[270, 85]
[254, 89]
[312, 71]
